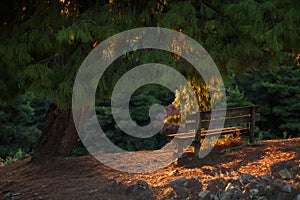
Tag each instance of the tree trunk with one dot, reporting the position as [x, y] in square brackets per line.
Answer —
[59, 135]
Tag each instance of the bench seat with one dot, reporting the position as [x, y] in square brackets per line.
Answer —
[224, 131]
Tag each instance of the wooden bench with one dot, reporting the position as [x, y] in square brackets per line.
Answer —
[236, 120]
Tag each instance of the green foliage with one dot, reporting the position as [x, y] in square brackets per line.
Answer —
[248, 34]
[140, 103]
[278, 94]
[180, 17]
[235, 97]
[20, 126]
[48, 42]
[79, 150]
[19, 155]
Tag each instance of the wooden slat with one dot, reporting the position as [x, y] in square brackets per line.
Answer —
[192, 133]
[229, 112]
[204, 133]
[227, 121]
[236, 128]
[224, 131]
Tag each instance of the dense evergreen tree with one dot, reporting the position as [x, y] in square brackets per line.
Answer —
[247, 34]
[277, 92]
[20, 125]
[140, 103]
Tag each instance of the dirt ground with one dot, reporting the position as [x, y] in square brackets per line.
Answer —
[224, 169]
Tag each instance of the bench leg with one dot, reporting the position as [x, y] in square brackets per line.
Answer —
[179, 145]
[252, 125]
[180, 148]
[197, 146]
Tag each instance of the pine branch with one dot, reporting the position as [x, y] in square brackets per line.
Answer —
[87, 21]
[217, 12]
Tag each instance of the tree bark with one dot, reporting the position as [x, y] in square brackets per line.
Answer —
[59, 135]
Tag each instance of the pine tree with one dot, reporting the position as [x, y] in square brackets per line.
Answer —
[277, 92]
[243, 35]
[18, 126]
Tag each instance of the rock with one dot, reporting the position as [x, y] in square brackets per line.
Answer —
[27, 189]
[254, 191]
[297, 197]
[180, 192]
[16, 197]
[7, 195]
[203, 194]
[247, 177]
[214, 197]
[236, 195]
[139, 193]
[143, 184]
[193, 186]
[231, 192]
[93, 191]
[178, 181]
[287, 188]
[185, 184]
[116, 187]
[296, 168]
[285, 174]
[224, 195]
[140, 190]
[133, 189]
[278, 183]
[267, 178]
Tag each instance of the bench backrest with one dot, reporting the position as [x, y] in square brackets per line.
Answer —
[234, 116]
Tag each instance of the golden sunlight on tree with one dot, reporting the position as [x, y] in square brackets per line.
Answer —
[295, 56]
[206, 95]
[161, 5]
[176, 48]
[23, 13]
[69, 9]
[95, 44]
